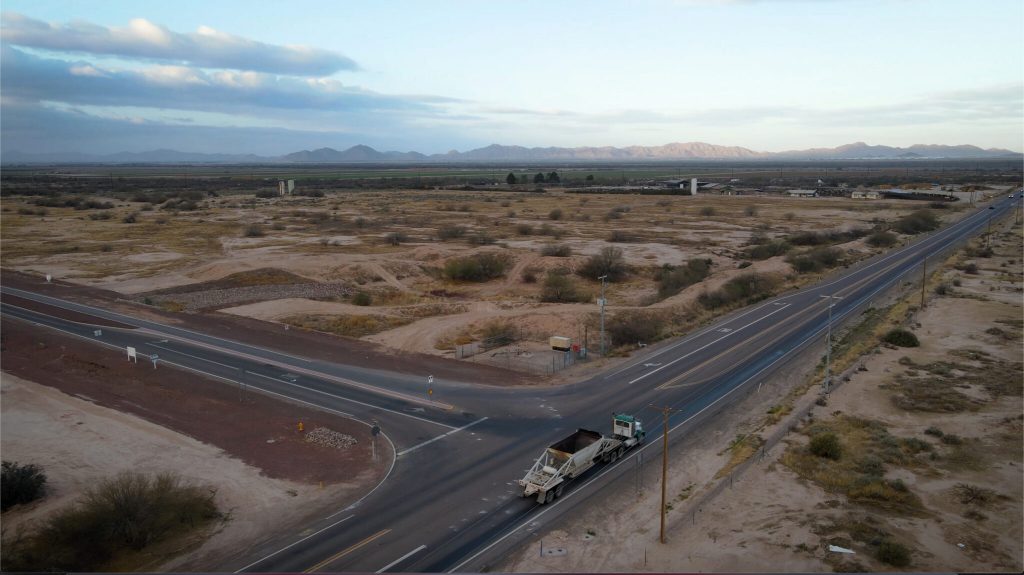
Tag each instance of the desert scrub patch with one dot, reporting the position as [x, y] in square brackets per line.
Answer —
[854, 462]
[740, 449]
[937, 391]
[346, 325]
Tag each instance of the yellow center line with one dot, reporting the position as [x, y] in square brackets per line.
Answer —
[341, 554]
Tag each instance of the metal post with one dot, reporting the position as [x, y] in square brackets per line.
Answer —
[828, 345]
[603, 279]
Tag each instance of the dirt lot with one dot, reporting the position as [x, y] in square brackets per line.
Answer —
[392, 247]
[98, 414]
[948, 451]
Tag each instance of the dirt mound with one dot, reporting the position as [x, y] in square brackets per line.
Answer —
[249, 278]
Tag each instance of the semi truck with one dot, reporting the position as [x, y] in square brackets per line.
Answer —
[569, 458]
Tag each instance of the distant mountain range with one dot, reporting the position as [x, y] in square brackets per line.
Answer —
[501, 154]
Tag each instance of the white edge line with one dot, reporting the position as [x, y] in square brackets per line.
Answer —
[534, 518]
[442, 436]
[710, 343]
[41, 298]
[353, 505]
[687, 339]
[295, 543]
[342, 398]
[400, 559]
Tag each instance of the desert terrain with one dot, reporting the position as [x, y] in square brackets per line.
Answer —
[486, 276]
[930, 474]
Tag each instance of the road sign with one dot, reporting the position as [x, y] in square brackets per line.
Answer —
[153, 358]
[601, 301]
[97, 332]
[375, 430]
[430, 380]
[131, 354]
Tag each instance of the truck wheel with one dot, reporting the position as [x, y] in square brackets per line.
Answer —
[558, 490]
[549, 497]
[619, 452]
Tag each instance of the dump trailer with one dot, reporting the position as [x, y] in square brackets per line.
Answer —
[570, 457]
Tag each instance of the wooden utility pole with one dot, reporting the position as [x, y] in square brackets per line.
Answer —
[665, 412]
[924, 279]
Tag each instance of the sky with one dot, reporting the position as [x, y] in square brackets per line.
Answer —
[269, 78]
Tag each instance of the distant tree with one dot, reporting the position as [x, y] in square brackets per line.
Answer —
[553, 177]
[590, 177]
[539, 178]
[510, 179]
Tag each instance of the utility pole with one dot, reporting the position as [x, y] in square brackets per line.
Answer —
[988, 231]
[924, 279]
[604, 280]
[828, 345]
[665, 412]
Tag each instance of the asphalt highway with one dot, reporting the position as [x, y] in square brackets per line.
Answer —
[450, 502]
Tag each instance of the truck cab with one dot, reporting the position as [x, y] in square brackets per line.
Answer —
[626, 427]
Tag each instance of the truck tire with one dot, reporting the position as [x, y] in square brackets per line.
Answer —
[619, 452]
[549, 496]
[559, 489]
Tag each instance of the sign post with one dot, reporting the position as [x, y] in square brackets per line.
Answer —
[132, 355]
[153, 358]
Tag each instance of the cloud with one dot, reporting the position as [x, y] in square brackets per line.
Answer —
[32, 78]
[207, 48]
[34, 128]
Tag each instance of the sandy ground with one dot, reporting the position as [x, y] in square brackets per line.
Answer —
[318, 239]
[99, 414]
[78, 443]
[765, 519]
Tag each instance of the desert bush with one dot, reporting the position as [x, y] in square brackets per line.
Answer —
[20, 484]
[707, 211]
[826, 445]
[362, 298]
[524, 229]
[131, 218]
[627, 328]
[917, 222]
[621, 236]
[811, 238]
[747, 288]
[99, 216]
[767, 250]
[253, 231]
[267, 194]
[943, 289]
[673, 279]
[450, 232]
[893, 553]
[129, 512]
[556, 250]
[901, 337]
[555, 214]
[970, 268]
[881, 239]
[481, 239]
[608, 262]
[477, 267]
[560, 287]
[529, 276]
[396, 238]
[750, 211]
[815, 260]
[497, 333]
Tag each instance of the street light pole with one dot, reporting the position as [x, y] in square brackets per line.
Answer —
[828, 344]
[604, 280]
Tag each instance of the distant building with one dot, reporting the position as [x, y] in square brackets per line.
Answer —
[865, 195]
[285, 188]
[803, 193]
